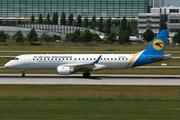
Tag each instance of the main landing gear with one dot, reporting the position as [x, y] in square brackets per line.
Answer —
[23, 73]
[86, 74]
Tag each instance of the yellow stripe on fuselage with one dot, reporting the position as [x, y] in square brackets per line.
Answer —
[132, 59]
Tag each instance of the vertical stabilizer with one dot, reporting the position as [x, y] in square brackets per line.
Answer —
[154, 52]
[157, 46]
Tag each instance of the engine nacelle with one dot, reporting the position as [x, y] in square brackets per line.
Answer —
[64, 70]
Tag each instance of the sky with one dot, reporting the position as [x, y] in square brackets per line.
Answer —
[172, 2]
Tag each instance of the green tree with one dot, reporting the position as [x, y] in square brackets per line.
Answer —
[148, 35]
[48, 19]
[70, 19]
[79, 21]
[19, 37]
[32, 19]
[48, 39]
[40, 20]
[56, 37]
[41, 38]
[101, 24]
[55, 18]
[73, 37]
[108, 26]
[93, 24]
[63, 19]
[134, 28]
[111, 38]
[177, 37]
[86, 23]
[123, 27]
[97, 38]
[116, 23]
[3, 36]
[125, 37]
[32, 36]
[77, 33]
[87, 36]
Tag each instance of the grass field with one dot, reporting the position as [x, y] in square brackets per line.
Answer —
[89, 102]
[72, 47]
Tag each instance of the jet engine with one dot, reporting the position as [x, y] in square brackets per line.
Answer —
[64, 70]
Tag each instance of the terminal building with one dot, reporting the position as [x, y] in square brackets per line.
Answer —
[159, 19]
[13, 10]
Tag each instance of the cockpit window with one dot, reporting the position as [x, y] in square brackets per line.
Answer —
[16, 59]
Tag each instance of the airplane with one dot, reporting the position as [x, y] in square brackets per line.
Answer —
[67, 64]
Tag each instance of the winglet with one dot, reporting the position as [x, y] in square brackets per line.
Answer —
[95, 62]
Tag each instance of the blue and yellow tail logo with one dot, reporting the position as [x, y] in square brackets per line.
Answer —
[158, 44]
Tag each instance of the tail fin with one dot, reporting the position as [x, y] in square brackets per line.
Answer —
[157, 46]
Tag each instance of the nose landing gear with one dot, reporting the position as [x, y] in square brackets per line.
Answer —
[23, 73]
[86, 74]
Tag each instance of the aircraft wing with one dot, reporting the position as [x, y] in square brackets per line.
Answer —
[86, 66]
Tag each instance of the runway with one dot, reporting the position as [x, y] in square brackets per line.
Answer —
[96, 79]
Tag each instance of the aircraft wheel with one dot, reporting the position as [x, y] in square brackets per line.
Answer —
[23, 75]
[86, 75]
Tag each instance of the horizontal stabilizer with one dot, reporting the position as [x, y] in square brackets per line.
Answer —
[165, 57]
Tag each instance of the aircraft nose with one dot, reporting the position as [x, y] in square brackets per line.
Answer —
[6, 65]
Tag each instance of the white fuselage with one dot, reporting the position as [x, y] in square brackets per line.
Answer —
[52, 61]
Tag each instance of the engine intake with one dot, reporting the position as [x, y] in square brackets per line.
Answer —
[64, 70]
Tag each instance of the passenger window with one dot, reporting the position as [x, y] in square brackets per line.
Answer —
[87, 58]
[107, 58]
[83, 59]
[79, 58]
[101, 58]
[94, 58]
[115, 59]
[63, 59]
[111, 58]
[90, 58]
[71, 59]
[74, 58]
[119, 58]
[104, 58]
[66, 58]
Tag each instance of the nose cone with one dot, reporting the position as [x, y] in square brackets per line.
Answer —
[6, 65]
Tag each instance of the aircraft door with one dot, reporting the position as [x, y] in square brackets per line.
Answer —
[27, 59]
